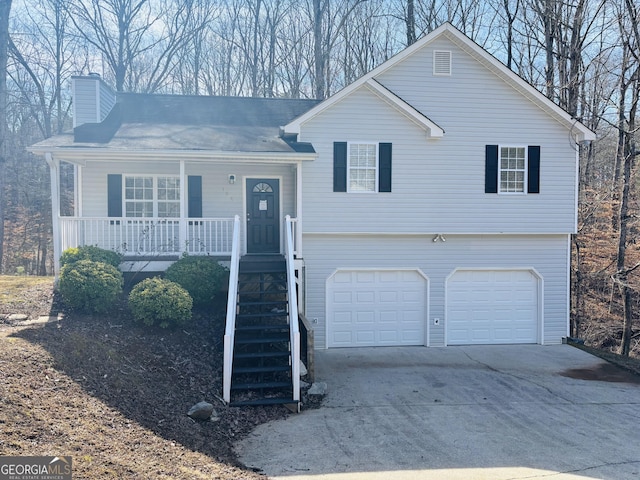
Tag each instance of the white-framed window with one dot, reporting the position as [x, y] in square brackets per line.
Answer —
[152, 196]
[512, 169]
[362, 167]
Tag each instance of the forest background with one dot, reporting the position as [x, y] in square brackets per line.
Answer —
[582, 54]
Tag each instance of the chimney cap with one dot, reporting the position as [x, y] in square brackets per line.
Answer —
[94, 74]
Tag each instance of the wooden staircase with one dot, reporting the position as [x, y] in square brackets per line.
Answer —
[261, 373]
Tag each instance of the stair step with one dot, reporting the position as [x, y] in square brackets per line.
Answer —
[269, 369]
[264, 281]
[248, 316]
[264, 303]
[264, 401]
[257, 355]
[260, 385]
[259, 328]
[257, 340]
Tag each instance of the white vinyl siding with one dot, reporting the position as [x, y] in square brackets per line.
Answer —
[438, 184]
[220, 199]
[546, 254]
[93, 99]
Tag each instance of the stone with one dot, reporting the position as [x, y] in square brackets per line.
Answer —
[303, 369]
[304, 384]
[318, 388]
[201, 411]
[17, 317]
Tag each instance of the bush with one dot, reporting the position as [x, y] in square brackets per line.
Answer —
[157, 300]
[90, 252]
[89, 286]
[202, 277]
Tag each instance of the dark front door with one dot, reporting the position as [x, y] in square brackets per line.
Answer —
[263, 215]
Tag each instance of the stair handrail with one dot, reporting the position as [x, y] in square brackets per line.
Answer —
[294, 329]
[230, 324]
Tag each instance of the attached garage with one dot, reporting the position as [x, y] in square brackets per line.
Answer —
[492, 307]
[376, 308]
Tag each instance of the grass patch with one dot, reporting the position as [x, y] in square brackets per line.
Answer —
[12, 287]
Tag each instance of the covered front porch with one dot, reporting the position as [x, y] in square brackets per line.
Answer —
[177, 207]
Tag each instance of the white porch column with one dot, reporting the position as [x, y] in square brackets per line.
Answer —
[183, 207]
[77, 191]
[54, 170]
[298, 238]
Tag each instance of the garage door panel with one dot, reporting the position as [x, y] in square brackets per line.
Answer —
[485, 307]
[387, 307]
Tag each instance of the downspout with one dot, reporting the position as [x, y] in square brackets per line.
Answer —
[54, 170]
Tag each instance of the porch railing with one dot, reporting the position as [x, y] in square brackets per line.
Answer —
[294, 329]
[230, 325]
[150, 236]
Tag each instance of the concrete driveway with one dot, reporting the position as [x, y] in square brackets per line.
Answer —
[481, 412]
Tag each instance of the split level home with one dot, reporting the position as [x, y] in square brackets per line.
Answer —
[431, 202]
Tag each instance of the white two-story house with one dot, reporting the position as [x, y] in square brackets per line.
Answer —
[431, 202]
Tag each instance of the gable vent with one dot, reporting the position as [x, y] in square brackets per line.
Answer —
[441, 62]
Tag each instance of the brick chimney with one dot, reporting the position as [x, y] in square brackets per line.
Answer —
[93, 99]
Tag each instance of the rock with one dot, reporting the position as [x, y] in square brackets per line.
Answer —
[318, 388]
[17, 317]
[201, 411]
[303, 369]
[304, 384]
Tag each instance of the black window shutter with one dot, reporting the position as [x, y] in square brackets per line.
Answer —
[533, 182]
[384, 165]
[114, 195]
[339, 166]
[194, 187]
[491, 169]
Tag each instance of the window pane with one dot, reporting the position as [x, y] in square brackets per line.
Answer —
[169, 209]
[512, 169]
[139, 209]
[362, 167]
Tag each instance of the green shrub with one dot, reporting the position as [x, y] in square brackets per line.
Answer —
[202, 277]
[90, 252]
[89, 286]
[157, 300]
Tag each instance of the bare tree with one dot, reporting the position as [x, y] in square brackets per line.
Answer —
[5, 9]
[138, 39]
[627, 152]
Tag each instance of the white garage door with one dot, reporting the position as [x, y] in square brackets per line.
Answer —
[371, 308]
[492, 307]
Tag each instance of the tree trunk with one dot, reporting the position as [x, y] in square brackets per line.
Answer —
[629, 159]
[318, 50]
[5, 9]
[411, 23]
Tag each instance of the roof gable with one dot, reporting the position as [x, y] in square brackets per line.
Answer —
[475, 51]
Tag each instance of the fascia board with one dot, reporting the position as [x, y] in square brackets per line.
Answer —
[80, 155]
